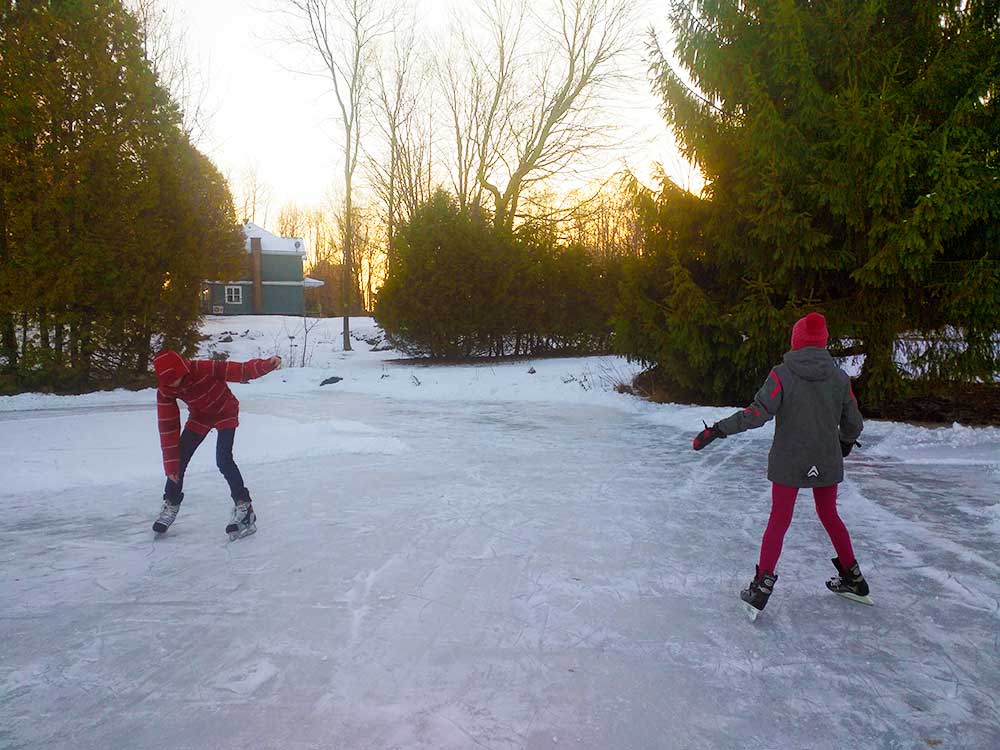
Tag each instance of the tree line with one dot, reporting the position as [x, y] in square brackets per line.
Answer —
[851, 156]
[515, 87]
[458, 286]
[849, 152]
[109, 217]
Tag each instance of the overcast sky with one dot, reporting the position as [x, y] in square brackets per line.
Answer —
[264, 113]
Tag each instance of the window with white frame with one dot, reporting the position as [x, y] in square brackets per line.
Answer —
[234, 295]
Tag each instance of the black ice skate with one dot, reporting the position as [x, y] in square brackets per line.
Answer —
[756, 594]
[167, 515]
[850, 584]
[243, 523]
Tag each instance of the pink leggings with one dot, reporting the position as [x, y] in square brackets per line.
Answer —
[782, 506]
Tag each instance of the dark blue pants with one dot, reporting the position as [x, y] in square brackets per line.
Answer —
[190, 441]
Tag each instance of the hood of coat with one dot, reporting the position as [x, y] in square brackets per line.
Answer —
[170, 367]
[811, 363]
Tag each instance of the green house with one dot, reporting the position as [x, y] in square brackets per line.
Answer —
[272, 282]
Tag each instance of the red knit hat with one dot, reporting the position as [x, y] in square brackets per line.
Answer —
[810, 331]
[170, 367]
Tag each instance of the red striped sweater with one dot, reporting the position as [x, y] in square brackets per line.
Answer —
[210, 402]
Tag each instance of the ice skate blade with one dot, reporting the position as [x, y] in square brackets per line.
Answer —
[234, 535]
[855, 598]
[752, 612]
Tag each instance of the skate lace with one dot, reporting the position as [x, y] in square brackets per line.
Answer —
[241, 514]
[168, 512]
[840, 582]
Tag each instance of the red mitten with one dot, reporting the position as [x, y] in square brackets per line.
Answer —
[706, 436]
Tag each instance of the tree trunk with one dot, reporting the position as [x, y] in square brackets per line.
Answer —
[8, 336]
[43, 330]
[142, 350]
[9, 342]
[391, 228]
[25, 320]
[305, 338]
[348, 242]
[880, 380]
[86, 343]
[74, 345]
[58, 335]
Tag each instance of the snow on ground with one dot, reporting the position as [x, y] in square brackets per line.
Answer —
[479, 557]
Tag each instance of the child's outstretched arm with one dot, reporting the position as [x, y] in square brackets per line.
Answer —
[763, 409]
[765, 405]
[235, 372]
[169, 417]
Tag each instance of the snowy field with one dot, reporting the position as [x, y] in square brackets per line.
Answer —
[480, 557]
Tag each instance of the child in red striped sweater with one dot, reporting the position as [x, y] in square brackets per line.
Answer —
[201, 384]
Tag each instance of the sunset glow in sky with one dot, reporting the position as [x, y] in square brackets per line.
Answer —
[265, 113]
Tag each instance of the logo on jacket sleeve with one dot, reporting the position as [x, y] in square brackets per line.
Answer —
[812, 473]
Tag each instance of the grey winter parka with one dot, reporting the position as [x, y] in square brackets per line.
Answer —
[814, 409]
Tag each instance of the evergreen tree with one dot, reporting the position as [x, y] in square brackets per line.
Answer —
[459, 286]
[850, 155]
[444, 279]
[109, 218]
[196, 237]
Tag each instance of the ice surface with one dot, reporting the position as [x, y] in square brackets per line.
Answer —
[489, 559]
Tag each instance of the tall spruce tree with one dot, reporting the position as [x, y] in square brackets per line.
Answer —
[850, 150]
[108, 215]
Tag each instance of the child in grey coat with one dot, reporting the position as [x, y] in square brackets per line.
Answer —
[817, 424]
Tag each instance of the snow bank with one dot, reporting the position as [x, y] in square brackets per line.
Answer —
[387, 373]
[57, 450]
[972, 446]
[49, 401]
[123, 436]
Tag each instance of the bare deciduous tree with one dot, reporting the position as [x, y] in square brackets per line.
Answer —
[608, 223]
[307, 325]
[322, 237]
[291, 220]
[400, 167]
[524, 101]
[344, 35]
[320, 234]
[416, 163]
[165, 44]
[460, 98]
[252, 196]
[370, 257]
[479, 90]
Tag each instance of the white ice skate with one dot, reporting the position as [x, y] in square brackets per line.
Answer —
[167, 515]
[243, 523]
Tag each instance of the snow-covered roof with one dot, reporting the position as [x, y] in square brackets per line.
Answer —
[272, 243]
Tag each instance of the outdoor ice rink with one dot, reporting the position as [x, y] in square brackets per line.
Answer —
[437, 573]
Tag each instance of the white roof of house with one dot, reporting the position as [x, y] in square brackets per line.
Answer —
[272, 243]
